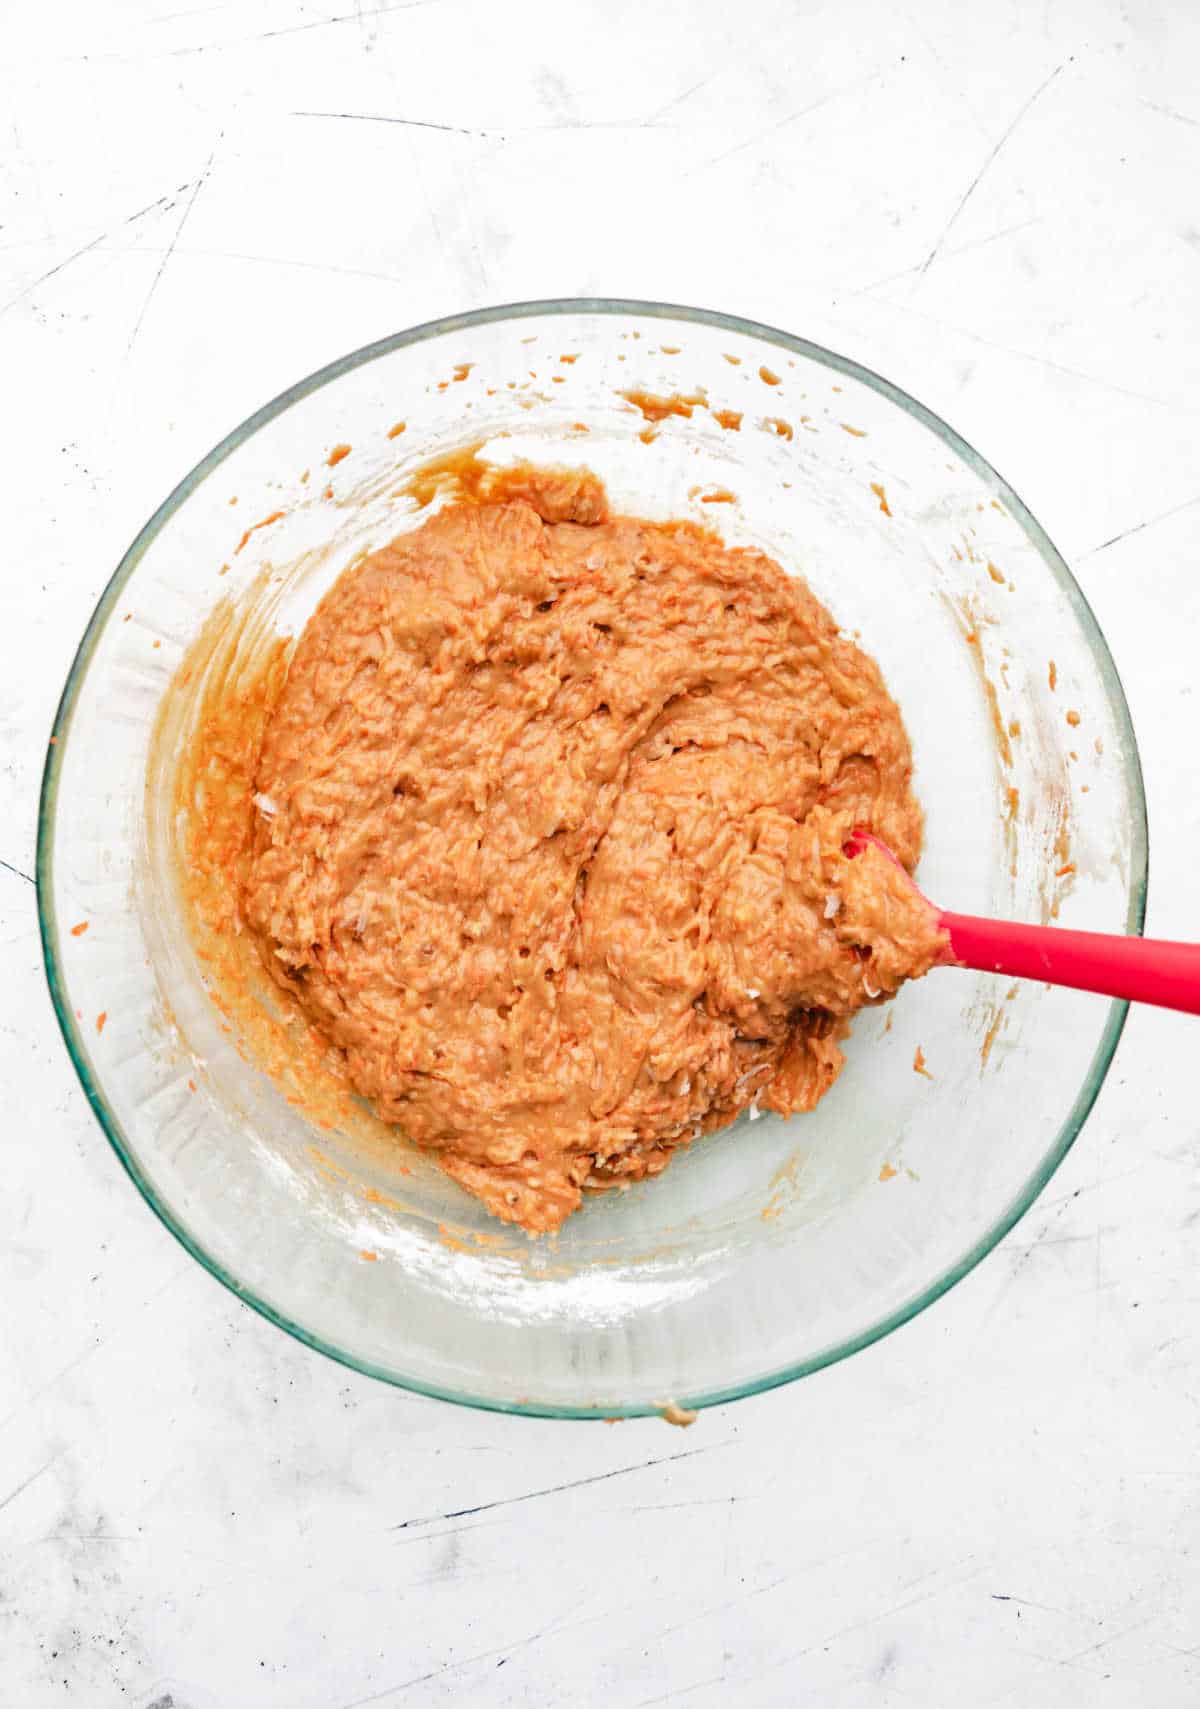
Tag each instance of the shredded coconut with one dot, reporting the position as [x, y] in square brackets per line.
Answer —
[752, 992]
[832, 904]
[266, 806]
[743, 1080]
[869, 989]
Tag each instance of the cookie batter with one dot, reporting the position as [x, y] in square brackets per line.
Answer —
[549, 833]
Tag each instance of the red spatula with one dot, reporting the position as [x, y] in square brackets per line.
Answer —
[1142, 970]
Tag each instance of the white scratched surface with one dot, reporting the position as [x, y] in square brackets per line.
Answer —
[999, 208]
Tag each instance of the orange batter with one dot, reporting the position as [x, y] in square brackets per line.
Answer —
[549, 839]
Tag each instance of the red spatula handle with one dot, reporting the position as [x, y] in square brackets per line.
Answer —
[1143, 970]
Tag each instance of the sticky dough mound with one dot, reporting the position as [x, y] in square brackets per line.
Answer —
[549, 840]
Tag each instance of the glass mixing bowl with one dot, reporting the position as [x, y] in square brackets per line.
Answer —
[775, 1247]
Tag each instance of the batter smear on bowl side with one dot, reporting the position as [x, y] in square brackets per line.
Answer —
[548, 839]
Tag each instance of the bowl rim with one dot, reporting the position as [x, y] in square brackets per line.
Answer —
[48, 800]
